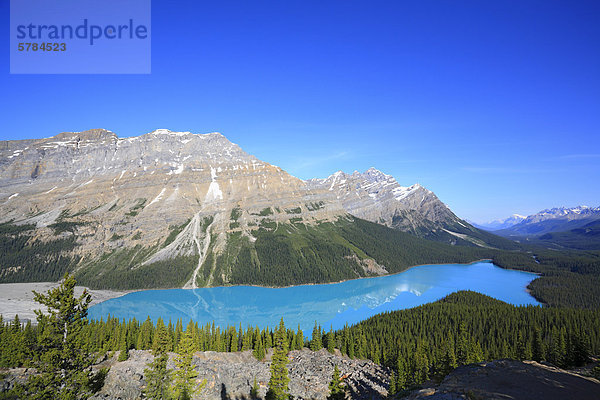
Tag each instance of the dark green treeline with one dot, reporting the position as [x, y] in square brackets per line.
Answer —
[467, 327]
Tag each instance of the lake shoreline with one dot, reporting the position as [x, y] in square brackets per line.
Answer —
[337, 304]
[18, 298]
[349, 279]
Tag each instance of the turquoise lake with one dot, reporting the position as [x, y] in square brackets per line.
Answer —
[332, 304]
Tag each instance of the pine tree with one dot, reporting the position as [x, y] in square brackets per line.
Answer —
[475, 352]
[449, 361]
[562, 347]
[184, 384]
[254, 390]
[63, 366]
[523, 348]
[580, 350]
[330, 341]
[505, 350]
[462, 347]
[247, 339]
[259, 348]
[316, 343]
[123, 351]
[278, 384]
[233, 343]
[268, 339]
[171, 331]
[402, 380]
[178, 333]
[345, 341]
[146, 335]
[421, 363]
[14, 344]
[299, 339]
[538, 350]
[393, 380]
[158, 377]
[336, 390]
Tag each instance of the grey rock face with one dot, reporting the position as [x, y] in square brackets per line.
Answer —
[377, 197]
[231, 375]
[511, 379]
[122, 193]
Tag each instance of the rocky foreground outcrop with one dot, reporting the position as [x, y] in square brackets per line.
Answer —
[231, 375]
[510, 379]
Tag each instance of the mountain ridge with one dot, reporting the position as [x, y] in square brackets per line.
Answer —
[558, 219]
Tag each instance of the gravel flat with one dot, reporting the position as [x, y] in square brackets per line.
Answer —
[17, 298]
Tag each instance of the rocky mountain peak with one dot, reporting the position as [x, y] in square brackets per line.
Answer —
[376, 175]
[378, 197]
[87, 135]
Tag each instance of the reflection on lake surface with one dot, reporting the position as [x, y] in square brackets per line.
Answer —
[330, 305]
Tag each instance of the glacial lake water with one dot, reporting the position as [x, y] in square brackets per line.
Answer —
[332, 304]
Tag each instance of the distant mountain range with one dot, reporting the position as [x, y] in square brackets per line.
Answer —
[547, 221]
[499, 223]
[172, 209]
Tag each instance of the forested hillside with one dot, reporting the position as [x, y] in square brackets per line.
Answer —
[25, 258]
[468, 327]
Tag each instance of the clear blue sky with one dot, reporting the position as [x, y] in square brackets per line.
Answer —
[493, 105]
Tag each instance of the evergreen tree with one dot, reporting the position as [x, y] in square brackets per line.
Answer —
[345, 341]
[178, 332]
[14, 344]
[330, 341]
[538, 350]
[299, 339]
[247, 339]
[402, 379]
[259, 348]
[171, 331]
[523, 347]
[254, 390]
[158, 377]
[580, 352]
[520, 353]
[562, 346]
[234, 343]
[63, 366]
[268, 339]
[393, 380]
[475, 353]
[278, 384]
[184, 383]
[316, 343]
[146, 335]
[336, 389]
[123, 352]
[462, 347]
[421, 364]
[449, 361]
